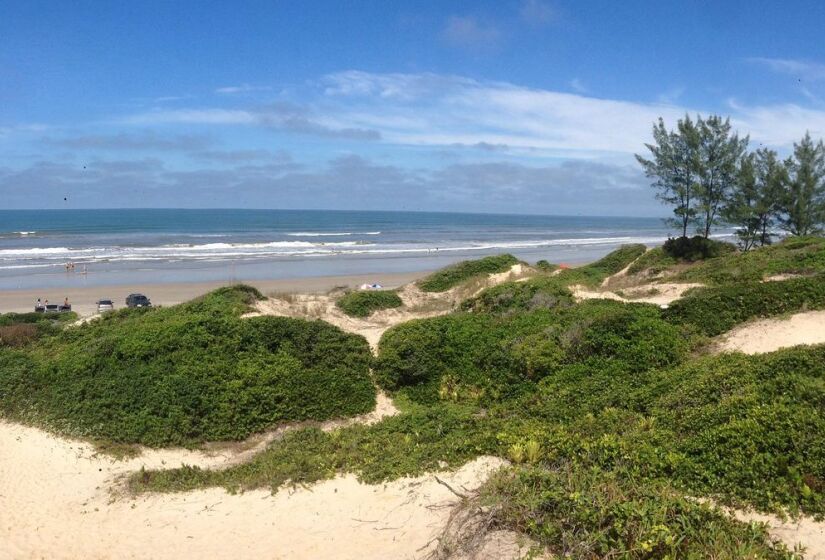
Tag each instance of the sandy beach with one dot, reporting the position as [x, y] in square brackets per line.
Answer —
[83, 298]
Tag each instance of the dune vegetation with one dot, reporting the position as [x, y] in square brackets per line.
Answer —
[455, 274]
[616, 422]
[186, 374]
[623, 432]
[365, 303]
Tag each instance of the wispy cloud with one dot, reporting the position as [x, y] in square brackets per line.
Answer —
[578, 86]
[243, 88]
[801, 69]
[536, 12]
[132, 141]
[469, 32]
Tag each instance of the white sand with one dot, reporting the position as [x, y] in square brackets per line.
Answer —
[658, 294]
[55, 502]
[769, 335]
[804, 531]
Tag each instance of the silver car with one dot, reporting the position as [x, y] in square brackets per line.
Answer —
[105, 305]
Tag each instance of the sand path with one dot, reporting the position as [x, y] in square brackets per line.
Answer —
[55, 502]
[769, 335]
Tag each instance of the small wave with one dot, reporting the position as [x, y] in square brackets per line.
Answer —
[330, 234]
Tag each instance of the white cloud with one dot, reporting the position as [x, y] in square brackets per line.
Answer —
[243, 88]
[578, 86]
[441, 110]
[803, 69]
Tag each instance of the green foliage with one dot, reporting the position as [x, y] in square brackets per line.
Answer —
[186, 374]
[794, 255]
[454, 275]
[20, 329]
[535, 293]
[402, 445]
[365, 303]
[545, 266]
[593, 514]
[485, 358]
[698, 248]
[714, 310]
[595, 273]
[653, 262]
[803, 203]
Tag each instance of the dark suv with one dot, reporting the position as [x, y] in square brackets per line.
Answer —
[138, 300]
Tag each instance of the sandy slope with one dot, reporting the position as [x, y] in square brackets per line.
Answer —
[417, 305]
[658, 294]
[55, 503]
[769, 335]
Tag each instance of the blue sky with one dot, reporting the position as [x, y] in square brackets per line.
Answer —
[533, 106]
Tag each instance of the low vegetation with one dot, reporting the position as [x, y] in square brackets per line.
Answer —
[186, 374]
[794, 255]
[714, 310]
[20, 329]
[454, 275]
[595, 273]
[515, 297]
[365, 303]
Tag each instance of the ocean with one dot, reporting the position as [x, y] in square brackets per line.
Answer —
[169, 245]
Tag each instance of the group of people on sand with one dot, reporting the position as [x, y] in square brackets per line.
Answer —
[43, 304]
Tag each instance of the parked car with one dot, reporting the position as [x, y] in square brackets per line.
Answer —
[138, 300]
[105, 305]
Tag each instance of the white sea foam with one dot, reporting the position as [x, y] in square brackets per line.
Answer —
[330, 234]
[40, 256]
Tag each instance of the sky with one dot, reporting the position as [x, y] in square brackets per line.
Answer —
[522, 106]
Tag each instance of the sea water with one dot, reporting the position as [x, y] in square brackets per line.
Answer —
[167, 245]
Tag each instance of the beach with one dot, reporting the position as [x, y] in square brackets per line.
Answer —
[83, 299]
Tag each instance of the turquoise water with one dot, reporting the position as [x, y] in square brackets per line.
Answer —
[162, 245]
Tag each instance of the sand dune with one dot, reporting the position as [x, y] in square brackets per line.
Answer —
[769, 335]
[55, 502]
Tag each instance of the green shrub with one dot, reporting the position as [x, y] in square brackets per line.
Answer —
[454, 275]
[595, 273]
[653, 262]
[19, 329]
[714, 310]
[794, 255]
[403, 445]
[546, 266]
[592, 514]
[535, 293]
[697, 248]
[485, 358]
[364, 304]
[187, 374]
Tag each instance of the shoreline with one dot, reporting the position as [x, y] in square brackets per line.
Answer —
[170, 293]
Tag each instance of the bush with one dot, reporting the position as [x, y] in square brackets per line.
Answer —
[592, 513]
[714, 310]
[18, 335]
[187, 374]
[595, 273]
[696, 248]
[546, 266]
[653, 262]
[511, 297]
[485, 358]
[794, 255]
[454, 275]
[364, 304]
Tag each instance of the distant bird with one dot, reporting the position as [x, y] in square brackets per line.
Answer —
[64, 198]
